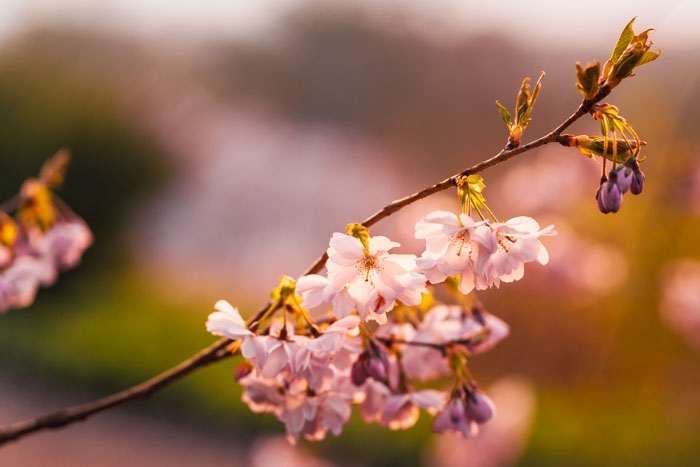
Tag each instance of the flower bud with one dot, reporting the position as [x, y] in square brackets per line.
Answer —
[372, 363]
[637, 182]
[453, 418]
[609, 196]
[624, 177]
[480, 407]
[359, 373]
[601, 207]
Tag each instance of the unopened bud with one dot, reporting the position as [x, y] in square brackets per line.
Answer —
[358, 372]
[624, 177]
[609, 196]
[637, 182]
[480, 407]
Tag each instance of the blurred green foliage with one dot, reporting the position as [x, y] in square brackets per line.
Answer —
[53, 95]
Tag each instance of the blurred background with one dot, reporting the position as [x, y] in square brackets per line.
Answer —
[218, 144]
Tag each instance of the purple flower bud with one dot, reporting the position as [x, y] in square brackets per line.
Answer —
[637, 182]
[624, 177]
[601, 207]
[609, 196]
[480, 407]
[453, 418]
[359, 373]
[637, 179]
[372, 363]
[376, 369]
[456, 411]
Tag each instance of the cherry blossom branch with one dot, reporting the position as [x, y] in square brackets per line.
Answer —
[442, 348]
[217, 351]
[502, 156]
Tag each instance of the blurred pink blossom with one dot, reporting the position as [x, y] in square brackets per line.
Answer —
[276, 451]
[37, 257]
[550, 181]
[583, 265]
[679, 303]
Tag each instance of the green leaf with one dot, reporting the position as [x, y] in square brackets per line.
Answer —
[522, 100]
[536, 91]
[505, 115]
[597, 146]
[524, 119]
[649, 56]
[626, 37]
[477, 180]
[588, 79]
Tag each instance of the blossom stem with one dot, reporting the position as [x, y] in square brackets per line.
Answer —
[305, 316]
[264, 314]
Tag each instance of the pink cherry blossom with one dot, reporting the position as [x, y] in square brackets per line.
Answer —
[304, 412]
[20, 281]
[453, 245]
[278, 452]
[34, 259]
[477, 331]
[65, 243]
[483, 254]
[512, 244]
[401, 411]
[369, 281]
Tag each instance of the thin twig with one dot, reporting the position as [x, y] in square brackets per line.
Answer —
[502, 156]
[216, 351]
[211, 354]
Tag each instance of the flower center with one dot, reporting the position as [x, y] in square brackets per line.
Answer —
[366, 265]
[460, 241]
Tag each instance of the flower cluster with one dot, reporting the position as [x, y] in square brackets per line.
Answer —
[388, 343]
[623, 178]
[43, 238]
[386, 332]
[311, 382]
[483, 254]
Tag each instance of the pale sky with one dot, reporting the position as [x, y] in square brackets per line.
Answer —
[553, 22]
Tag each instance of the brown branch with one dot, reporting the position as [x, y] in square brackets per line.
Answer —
[502, 156]
[211, 354]
[217, 351]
